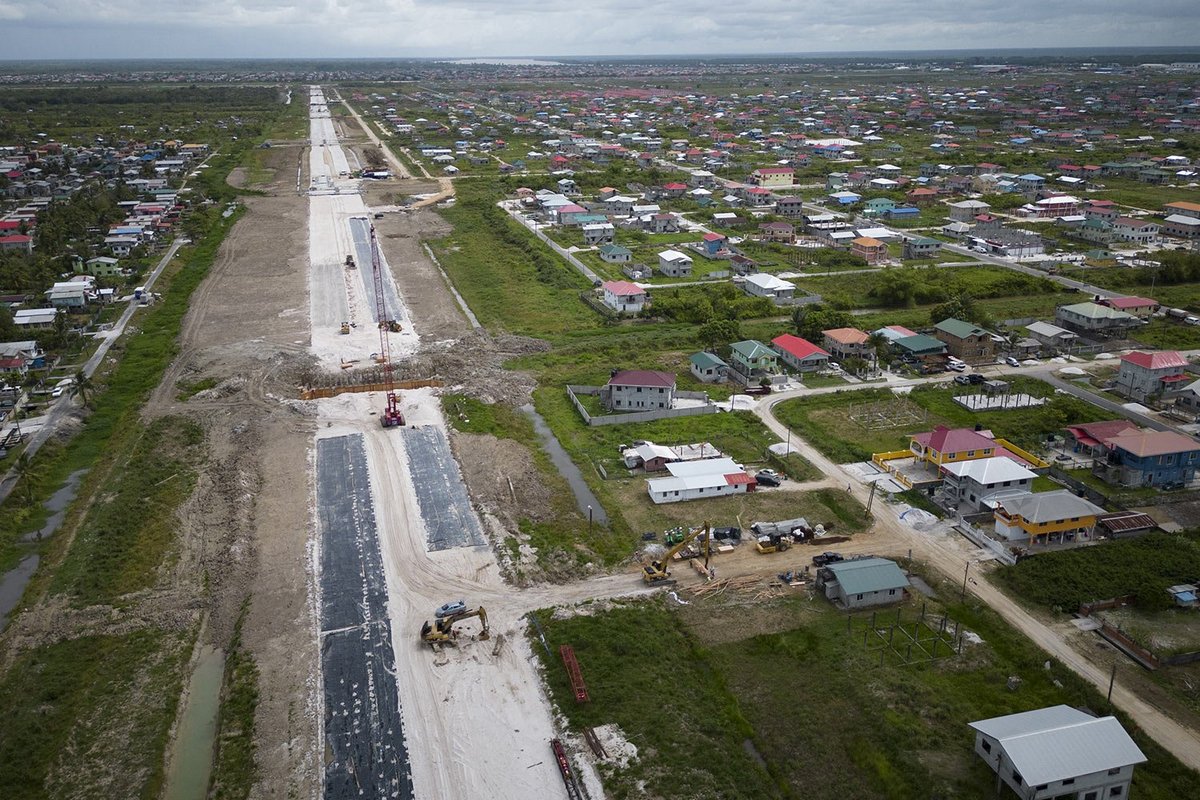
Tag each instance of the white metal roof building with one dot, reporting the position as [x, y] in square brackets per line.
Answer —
[1059, 752]
[692, 480]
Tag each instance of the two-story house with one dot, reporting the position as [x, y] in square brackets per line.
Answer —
[1058, 752]
[965, 341]
[869, 249]
[944, 445]
[1149, 458]
[843, 343]
[1093, 319]
[638, 390]
[1136, 231]
[1046, 517]
[980, 483]
[674, 264]
[1140, 307]
[1142, 375]
[625, 297]
[772, 177]
[753, 359]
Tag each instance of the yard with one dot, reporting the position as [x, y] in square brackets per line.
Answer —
[777, 700]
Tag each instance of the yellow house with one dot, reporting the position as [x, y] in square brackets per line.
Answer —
[945, 445]
[1046, 517]
[772, 177]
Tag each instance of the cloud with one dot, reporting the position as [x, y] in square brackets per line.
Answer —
[400, 28]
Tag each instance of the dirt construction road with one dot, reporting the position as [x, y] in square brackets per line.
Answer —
[952, 555]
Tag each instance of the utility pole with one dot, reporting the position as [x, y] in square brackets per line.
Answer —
[589, 521]
[1112, 678]
[964, 586]
[871, 497]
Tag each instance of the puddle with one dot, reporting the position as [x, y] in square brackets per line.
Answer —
[12, 585]
[583, 495]
[192, 752]
[57, 504]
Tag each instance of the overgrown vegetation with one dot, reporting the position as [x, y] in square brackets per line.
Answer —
[89, 717]
[1144, 567]
[233, 763]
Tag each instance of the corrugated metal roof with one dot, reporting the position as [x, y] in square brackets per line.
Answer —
[864, 575]
[1050, 744]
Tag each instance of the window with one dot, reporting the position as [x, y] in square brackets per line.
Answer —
[1116, 791]
[858, 597]
[1068, 781]
[987, 746]
[891, 591]
[1115, 771]
[1090, 796]
[970, 454]
[1016, 776]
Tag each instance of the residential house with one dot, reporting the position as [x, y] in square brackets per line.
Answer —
[1187, 209]
[845, 198]
[944, 445]
[965, 341]
[1181, 226]
[1164, 459]
[799, 354]
[1030, 183]
[34, 318]
[1137, 231]
[1058, 752]
[708, 367]
[753, 359]
[68, 295]
[870, 250]
[615, 254]
[843, 343]
[769, 286]
[625, 297]
[1052, 336]
[921, 196]
[783, 232]
[638, 390]
[100, 267]
[982, 482]
[863, 582]
[697, 480]
[920, 347]
[674, 264]
[893, 333]
[967, 210]
[598, 233]
[771, 177]
[713, 243]
[880, 205]
[17, 242]
[1140, 307]
[789, 206]
[1093, 319]
[1046, 517]
[1091, 438]
[921, 247]
[619, 205]
[1144, 375]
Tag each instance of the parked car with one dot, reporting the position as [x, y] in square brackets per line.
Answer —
[1011, 361]
[959, 367]
[447, 609]
[827, 558]
[976, 378]
[962, 380]
[767, 480]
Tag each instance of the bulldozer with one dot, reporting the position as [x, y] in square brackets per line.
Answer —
[345, 331]
[350, 263]
[441, 630]
[391, 326]
[658, 573]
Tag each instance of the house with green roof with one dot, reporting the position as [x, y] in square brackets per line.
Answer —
[1093, 319]
[708, 367]
[863, 582]
[966, 341]
[921, 247]
[920, 346]
[880, 205]
[615, 254]
[753, 359]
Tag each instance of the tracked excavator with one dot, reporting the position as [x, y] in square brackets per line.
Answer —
[441, 630]
[658, 572]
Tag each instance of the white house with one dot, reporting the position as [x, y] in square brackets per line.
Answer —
[764, 285]
[598, 233]
[33, 318]
[695, 480]
[1059, 752]
[981, 482]
[625, 297]
[674, 264]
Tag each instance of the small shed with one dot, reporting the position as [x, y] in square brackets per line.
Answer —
[1184, 595]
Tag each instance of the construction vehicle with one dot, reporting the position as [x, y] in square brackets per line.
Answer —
[390, 325]
[345, 331]
[441, 630]
[392, 418]
[773, 543]
[658, 572]
[350, 263]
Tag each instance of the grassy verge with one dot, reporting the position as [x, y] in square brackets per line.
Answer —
[233, 763]
[90, 717]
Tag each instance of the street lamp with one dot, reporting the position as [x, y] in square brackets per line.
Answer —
[589, 521]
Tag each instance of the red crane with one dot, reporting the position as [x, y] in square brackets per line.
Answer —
[392, 417]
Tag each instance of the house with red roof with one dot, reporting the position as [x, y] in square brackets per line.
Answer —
[17, 241]
[944, 445]
[1141, 307]
[1091, 438]
[1142, 375]
[638, 390]
[625, 297]
[799, 354]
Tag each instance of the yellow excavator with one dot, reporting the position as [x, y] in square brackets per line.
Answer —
[658, 572]
[441, 630]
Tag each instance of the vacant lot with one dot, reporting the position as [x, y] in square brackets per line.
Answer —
[829, 422]
[732, 698]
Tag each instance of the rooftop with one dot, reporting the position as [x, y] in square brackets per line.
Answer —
[797, 347]
[1050, 506]
[1164, 359]
[642, 377]
[862, 575]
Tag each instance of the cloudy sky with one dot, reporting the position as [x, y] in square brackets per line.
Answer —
[401, 28]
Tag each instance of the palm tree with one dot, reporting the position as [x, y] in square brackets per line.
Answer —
[83, 388]
[27, 475]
